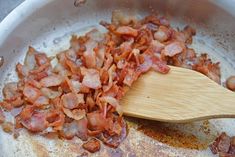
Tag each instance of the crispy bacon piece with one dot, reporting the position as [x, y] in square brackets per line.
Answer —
[163, 33]
[92, 79]
[72, 100]
[173, 49]
[50, 81]
[223, 145]
[36, 123]
[126, 30]
[96, 121]
[2, 117]
[93, 145]
[10, 90]
[75, 128]
[31, 94]
[41, 59]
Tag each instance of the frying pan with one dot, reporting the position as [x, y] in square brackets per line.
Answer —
[48, 24]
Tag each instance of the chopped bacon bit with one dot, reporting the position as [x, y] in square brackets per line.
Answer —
[36, 123]
[230, 83]
[78, 128]
[55, 119]
[27, 112]
[161, 67]
[223, 144]
[6, 106]
[31, 94]
[96, 121]
[130, 77]
[41, 59]
[126, 30]
[71, 100]
[82, 129]
[22, 70]
[92, 79]
[77, 92]
[2, 117]
[34, 83]
[17, 102]
[75, 114]
[69, 130]
[30, 59]
[52, 80]
[173, 49]
[10, 90]
[112, 101]
[16, 111]
[50, 93]
[7, 127]
[93, 145]
[115, 140]
[41, 100]
[89, 54]
[162, 34]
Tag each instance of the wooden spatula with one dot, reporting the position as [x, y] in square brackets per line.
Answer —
[182, 95]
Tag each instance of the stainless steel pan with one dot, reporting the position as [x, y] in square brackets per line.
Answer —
[47, 26]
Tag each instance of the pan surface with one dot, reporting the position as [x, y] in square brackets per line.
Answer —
[48, 24]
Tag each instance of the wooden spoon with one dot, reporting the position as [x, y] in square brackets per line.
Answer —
[182, 95]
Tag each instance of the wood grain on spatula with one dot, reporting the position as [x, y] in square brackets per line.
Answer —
[182, 95]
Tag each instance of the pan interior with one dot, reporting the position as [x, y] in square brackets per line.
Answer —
[48, 25]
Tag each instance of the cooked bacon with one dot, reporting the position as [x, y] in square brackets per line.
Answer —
[78, 128]
[93, 145]
[7, 127]
[115, 140]
[224, 145]
[22, 70]
[82, 129]
[130, 77]
[2, 117]
[55, 119]
[17, 102]
[162, 34]
[204, 65]
[6, 106]
[185, 35]
[89, 54]
[230, 83]
[34, 83]
[52, 80]
[16, 111]
[173, 49]
[10, 90]
[75, 86]
[41, 100]
[30, 61]
[36, 123]
[41, 59]
[96, 121]
[112, 101]
[126, 30]
[71, 100]
[31, 94]
[92, 79]
[76, 114]
[69, 130]
[77, 92]
[50, 93]
[27, 112]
